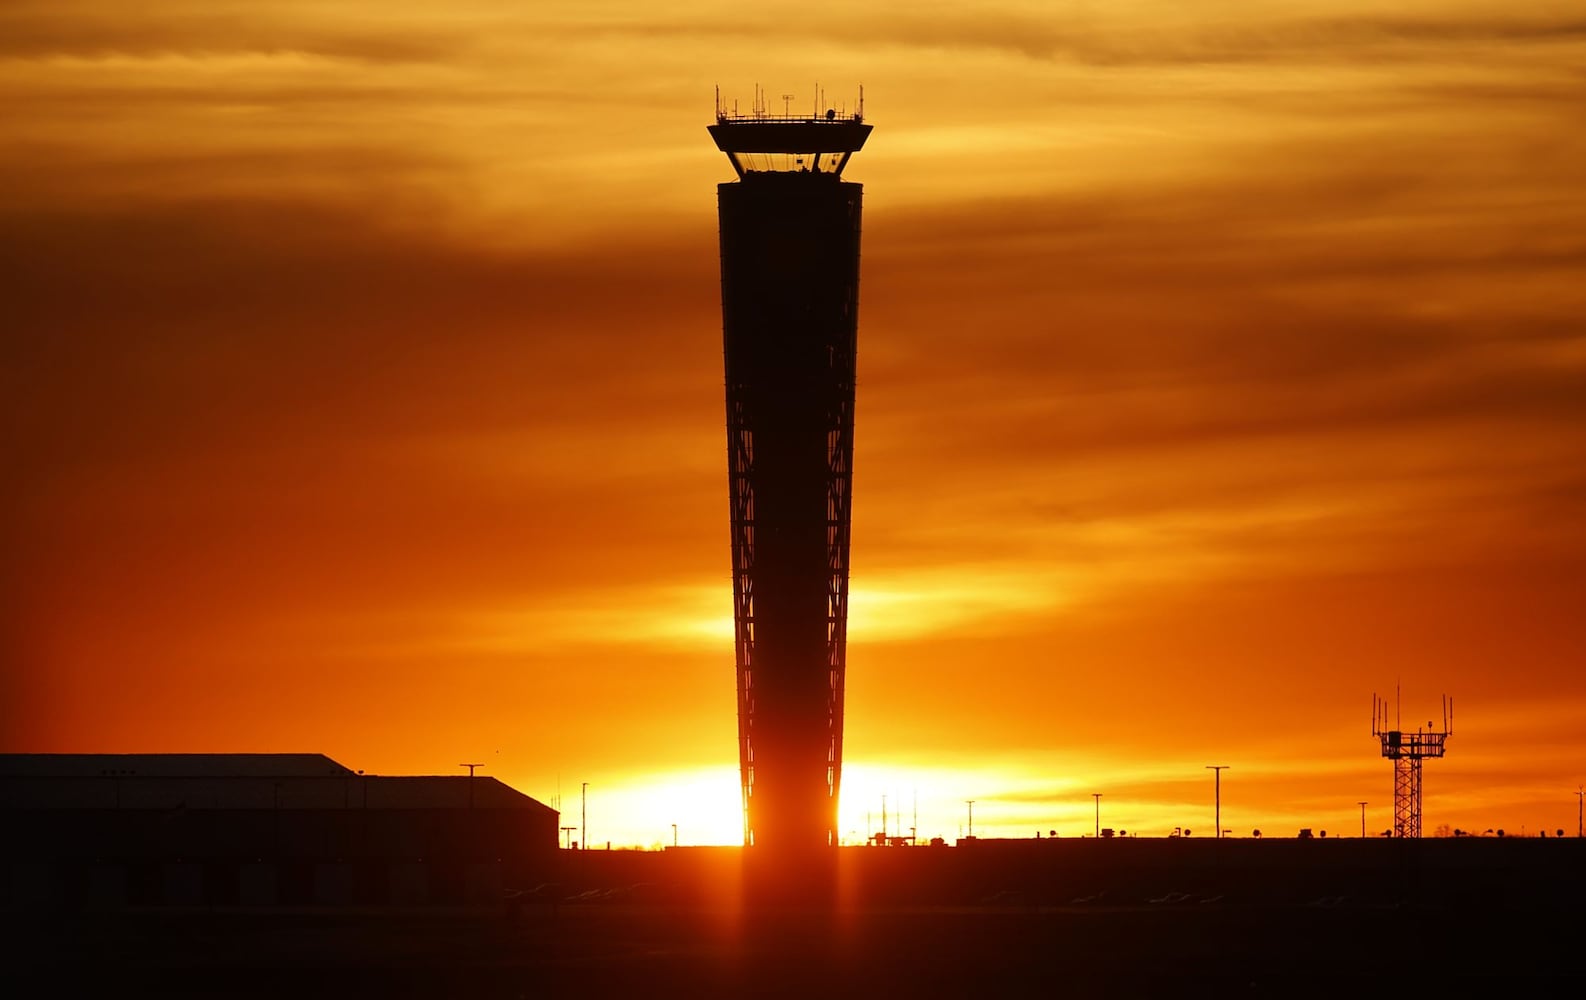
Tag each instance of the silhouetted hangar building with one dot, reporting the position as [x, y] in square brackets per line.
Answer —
[261, 829]
[790, 303]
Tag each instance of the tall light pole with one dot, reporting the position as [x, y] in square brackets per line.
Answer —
[1097, 797]
[583, 818]
[1362, 820]
[971, 804]
[1218, 770]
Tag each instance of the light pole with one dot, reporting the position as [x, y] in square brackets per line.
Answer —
[1097, 797]
[971, 804]
[583, 818]
[674, 834]
[1580, 797]
[1362, 820]
[1218, 770]
[471, 768]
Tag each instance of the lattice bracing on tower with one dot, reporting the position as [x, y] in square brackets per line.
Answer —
[1407, 750]
[790, 230]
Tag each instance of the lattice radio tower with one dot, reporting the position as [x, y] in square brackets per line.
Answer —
[1407, 750]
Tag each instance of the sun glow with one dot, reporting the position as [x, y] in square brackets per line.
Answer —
[924, 802]
[705, 804]
[1240, 375]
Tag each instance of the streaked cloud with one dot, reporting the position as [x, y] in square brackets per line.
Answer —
[1215, 364]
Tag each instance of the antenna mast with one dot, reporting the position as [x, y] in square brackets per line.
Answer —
[1407, 751]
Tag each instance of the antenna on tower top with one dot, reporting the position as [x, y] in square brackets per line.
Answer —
[1407, 751]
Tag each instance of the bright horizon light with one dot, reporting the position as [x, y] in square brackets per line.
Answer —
[1218, 365]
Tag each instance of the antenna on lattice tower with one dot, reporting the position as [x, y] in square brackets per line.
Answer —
[1407, 751]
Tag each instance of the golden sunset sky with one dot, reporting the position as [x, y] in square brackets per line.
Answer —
[1219, 365]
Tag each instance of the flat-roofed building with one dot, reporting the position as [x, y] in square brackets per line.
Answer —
[260, 829]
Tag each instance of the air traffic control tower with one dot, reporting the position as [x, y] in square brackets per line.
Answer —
[790, 300]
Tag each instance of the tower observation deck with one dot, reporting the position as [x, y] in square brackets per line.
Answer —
[790, 297]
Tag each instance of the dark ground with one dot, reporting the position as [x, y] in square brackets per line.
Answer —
[1272, 918]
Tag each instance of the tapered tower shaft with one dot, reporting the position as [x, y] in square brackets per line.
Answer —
[790, 294]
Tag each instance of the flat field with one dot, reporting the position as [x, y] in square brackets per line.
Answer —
[1147, 919]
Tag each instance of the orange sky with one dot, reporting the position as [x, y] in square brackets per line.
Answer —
[1218, 366]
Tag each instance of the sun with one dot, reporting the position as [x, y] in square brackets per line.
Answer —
[705, 804]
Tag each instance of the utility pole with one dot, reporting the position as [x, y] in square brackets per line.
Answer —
[567, 837]
[583, 819]
[971, 804]
[1097, 797]
[1218, 770]
[1362, 820]
[674, 834]
[1580, 797]
[471, 768]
